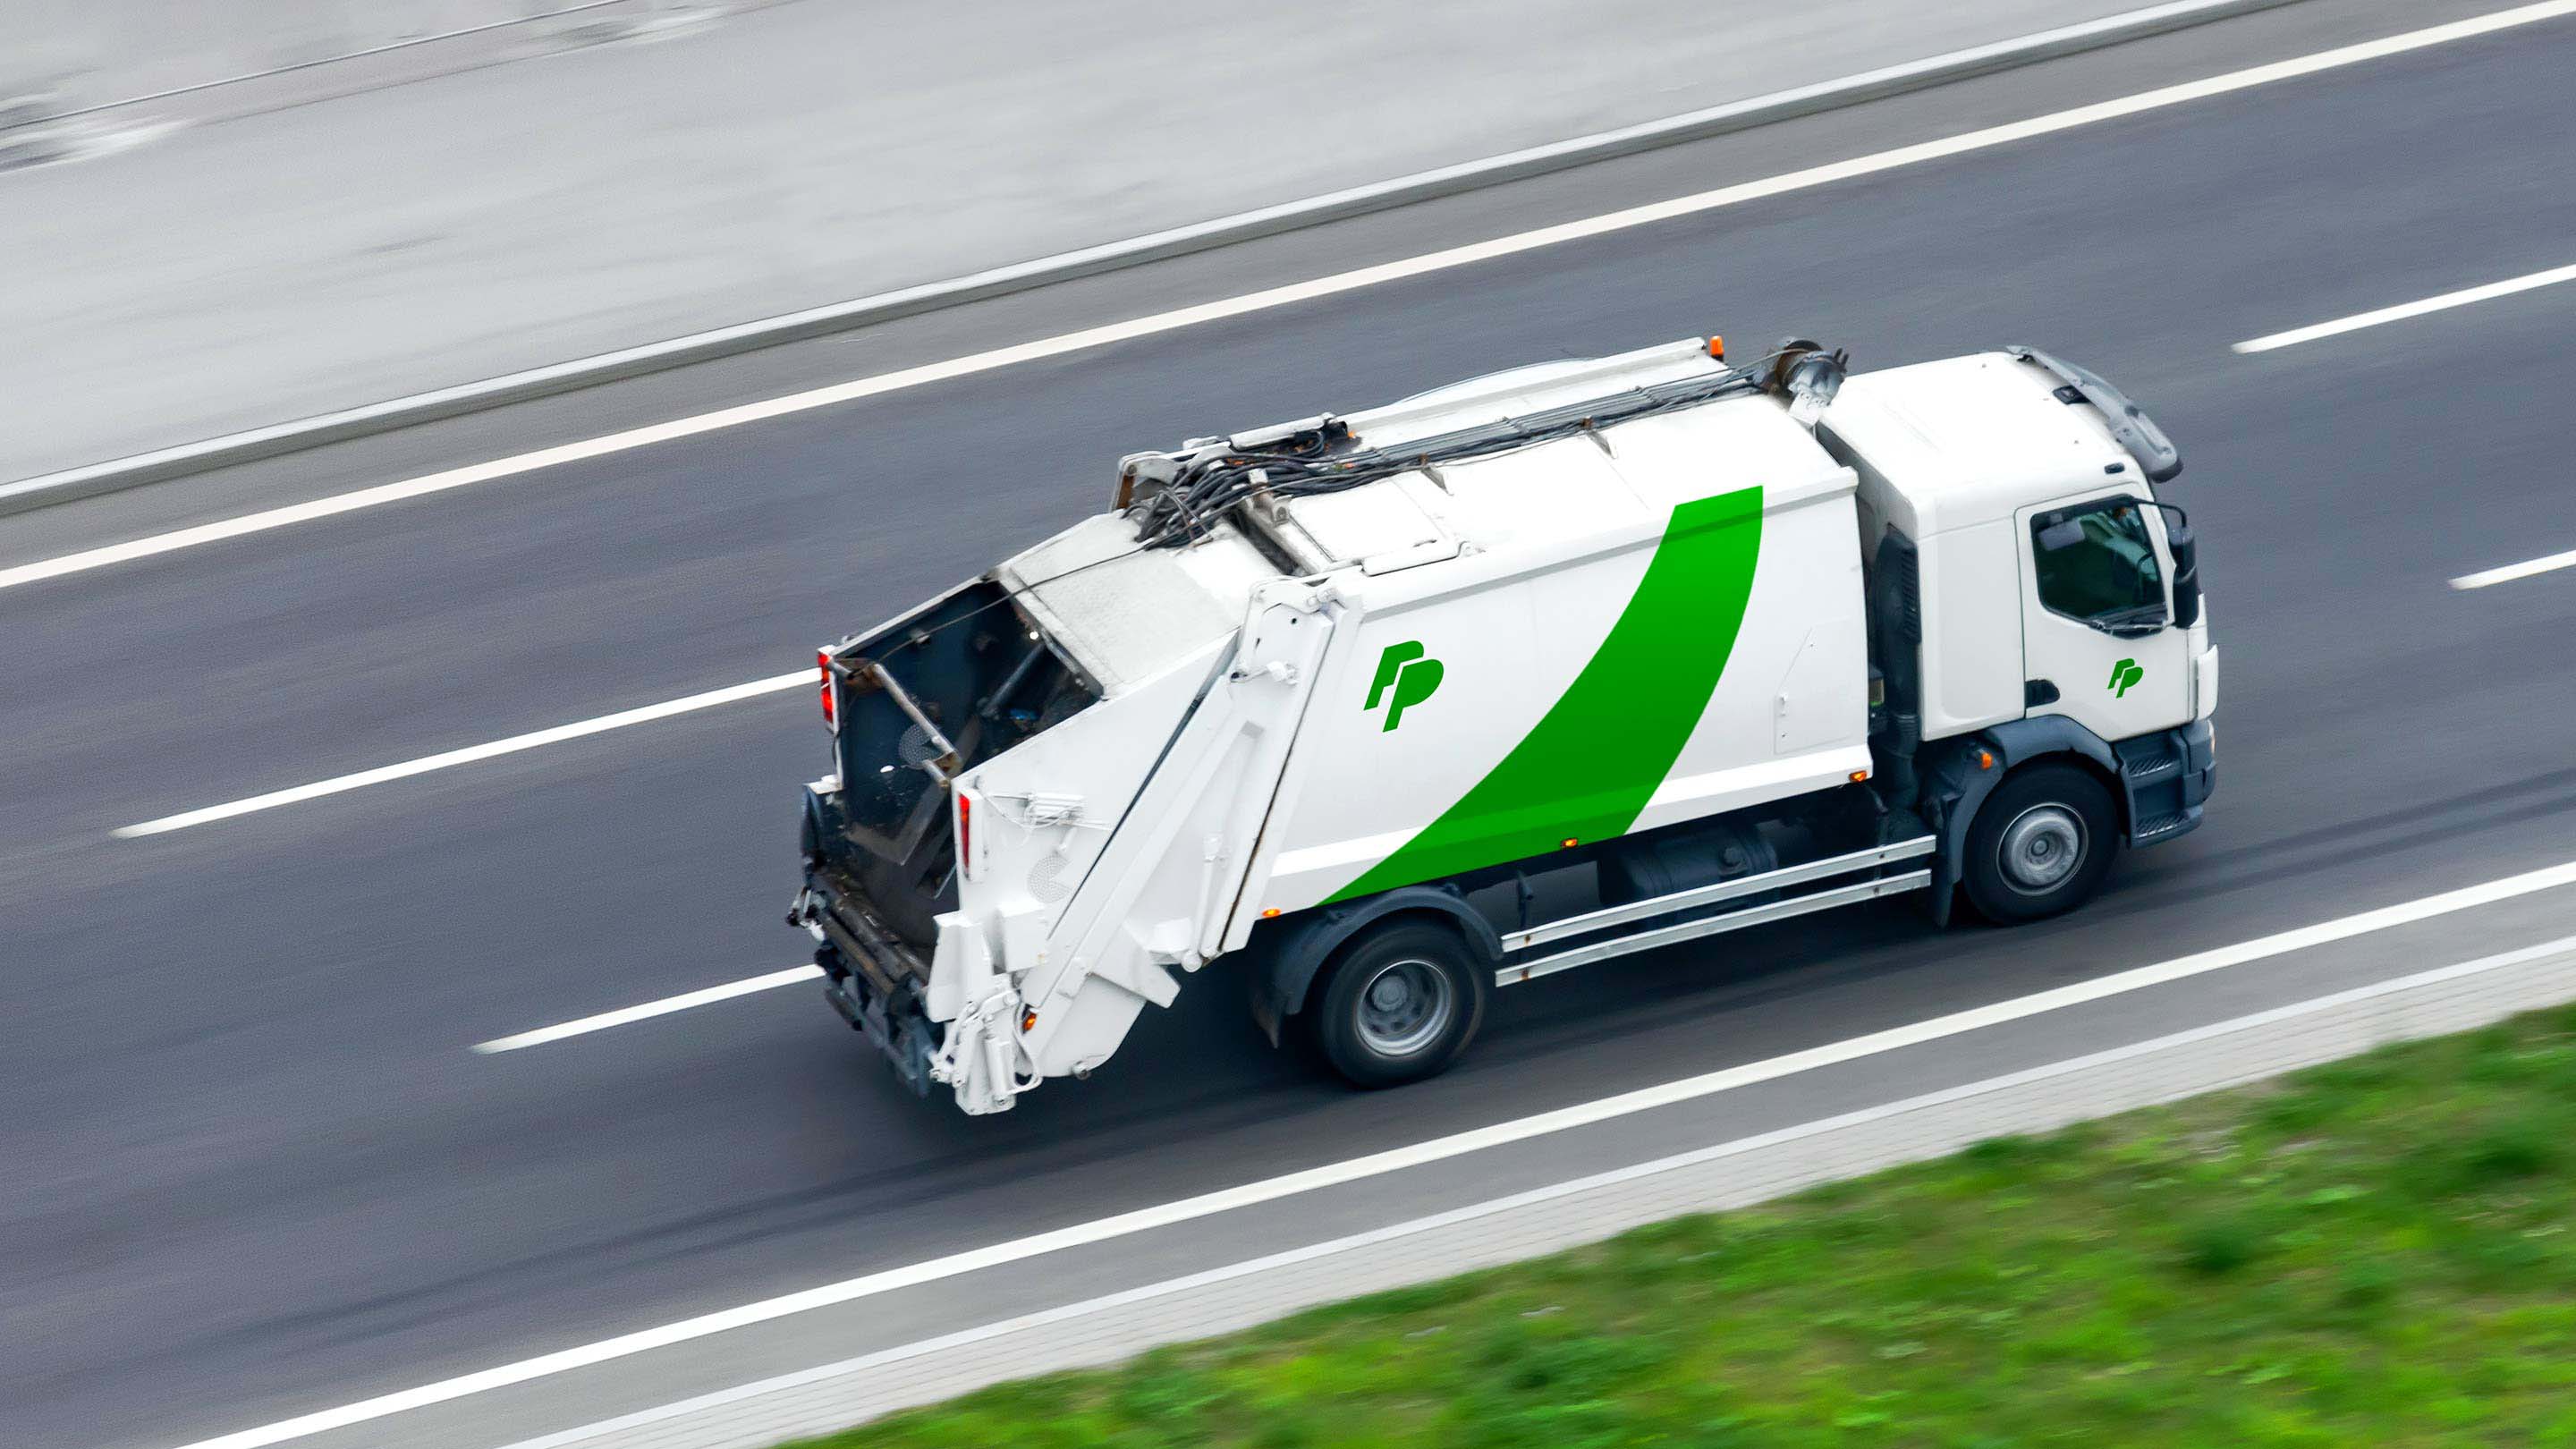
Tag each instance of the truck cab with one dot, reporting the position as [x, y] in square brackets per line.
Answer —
[2025, 486]
[2031, 521]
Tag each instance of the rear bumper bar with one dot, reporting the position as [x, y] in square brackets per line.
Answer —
[871, 979]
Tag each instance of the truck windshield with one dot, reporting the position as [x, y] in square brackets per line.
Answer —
[2096, 562]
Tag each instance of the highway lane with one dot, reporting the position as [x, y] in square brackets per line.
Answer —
[255, 1135]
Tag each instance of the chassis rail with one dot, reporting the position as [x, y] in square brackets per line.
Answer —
[1665, 932]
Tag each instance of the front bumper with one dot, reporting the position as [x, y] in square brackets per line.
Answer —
[2200, 761]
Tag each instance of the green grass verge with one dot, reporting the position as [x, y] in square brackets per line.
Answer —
[2377, 1252]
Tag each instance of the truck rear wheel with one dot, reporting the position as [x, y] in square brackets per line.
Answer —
[2041, 844]
[1400, 1004]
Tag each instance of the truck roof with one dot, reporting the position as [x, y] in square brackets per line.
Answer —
[1547, 497]
[1967, 440]
[1125, 615]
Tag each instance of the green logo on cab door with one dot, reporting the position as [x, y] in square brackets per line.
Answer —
[2124, 674]
[1404, 679]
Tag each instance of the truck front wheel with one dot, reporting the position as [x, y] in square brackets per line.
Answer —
[1400, 1004]
[2041, 844]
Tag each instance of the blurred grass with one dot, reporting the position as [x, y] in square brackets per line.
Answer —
[2381, 1251]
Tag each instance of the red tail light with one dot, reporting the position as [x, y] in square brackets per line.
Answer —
[965, 833]
[823, 661]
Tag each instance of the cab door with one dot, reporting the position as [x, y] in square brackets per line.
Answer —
[2098, 641]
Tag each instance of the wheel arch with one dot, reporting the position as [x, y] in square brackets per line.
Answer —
[1958, 784]
[1287, 954]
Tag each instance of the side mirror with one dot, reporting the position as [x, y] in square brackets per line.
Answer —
[2186, 579]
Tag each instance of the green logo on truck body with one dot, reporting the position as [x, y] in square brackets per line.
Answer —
[1413, 676]
[2124, 675]
[1587, 769]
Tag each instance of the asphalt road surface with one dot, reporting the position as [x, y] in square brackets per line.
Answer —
[249, 1165]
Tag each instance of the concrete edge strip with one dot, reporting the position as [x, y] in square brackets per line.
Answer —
[265, 442]
[368, 52]
[1728, 1175]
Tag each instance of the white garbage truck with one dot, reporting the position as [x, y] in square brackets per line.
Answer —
[1379, 712]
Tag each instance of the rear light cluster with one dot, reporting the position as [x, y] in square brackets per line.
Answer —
[965, 833]
[823, 661]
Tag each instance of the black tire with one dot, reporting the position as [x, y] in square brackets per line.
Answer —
[1398, 1003]
[2018, 866]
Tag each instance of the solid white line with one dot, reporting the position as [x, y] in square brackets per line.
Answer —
[1443, 1222]
[1395, 1159]
[650, 1009]
[2510, 572]
[2403, 310]
[1275, 297]
[471, 753]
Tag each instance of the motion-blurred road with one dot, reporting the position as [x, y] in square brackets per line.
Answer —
[252, 1166]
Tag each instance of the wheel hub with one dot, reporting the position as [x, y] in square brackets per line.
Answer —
[2041, 848]
[1405, 1007]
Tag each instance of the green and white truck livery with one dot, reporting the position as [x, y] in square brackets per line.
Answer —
[1386, 710]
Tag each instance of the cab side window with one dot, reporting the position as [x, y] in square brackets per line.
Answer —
[2096, 561]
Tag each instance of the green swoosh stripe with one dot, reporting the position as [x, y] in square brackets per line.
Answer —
[1591, 763]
